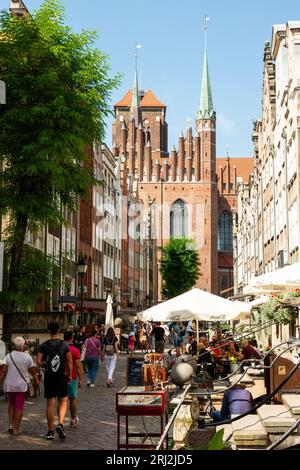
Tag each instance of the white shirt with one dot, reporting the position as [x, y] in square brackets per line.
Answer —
[13, 381]
[190, 327]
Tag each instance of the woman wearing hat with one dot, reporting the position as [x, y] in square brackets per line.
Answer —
[18, 366]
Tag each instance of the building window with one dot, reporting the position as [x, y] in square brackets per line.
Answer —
[179, 219]
[224, 286]
[225, 232]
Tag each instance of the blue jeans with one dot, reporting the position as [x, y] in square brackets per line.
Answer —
[92, 366]
[217, 417]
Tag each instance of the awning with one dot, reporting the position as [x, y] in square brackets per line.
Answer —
[286, 278]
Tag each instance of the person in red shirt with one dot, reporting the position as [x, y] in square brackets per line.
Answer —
[76, 377]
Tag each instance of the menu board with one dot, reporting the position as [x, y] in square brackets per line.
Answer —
[134, 375]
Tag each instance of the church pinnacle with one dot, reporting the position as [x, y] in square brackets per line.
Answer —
[206, 110]
[135, 103]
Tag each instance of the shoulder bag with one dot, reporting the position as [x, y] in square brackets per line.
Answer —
[30, 389]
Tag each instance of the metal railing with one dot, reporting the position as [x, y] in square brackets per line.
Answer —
[172, 419]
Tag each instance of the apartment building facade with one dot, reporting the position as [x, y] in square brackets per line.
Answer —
[267, 236]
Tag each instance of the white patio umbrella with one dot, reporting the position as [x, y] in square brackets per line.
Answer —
[109, 317]
[282, 279]
[259, 301]
[195, 305]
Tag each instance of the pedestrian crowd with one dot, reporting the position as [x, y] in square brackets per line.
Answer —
[63, 362]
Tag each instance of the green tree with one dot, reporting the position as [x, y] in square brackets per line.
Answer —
[58, 91]
[179, 266]
[37, 272]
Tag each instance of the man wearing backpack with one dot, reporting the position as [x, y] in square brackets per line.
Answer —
[55, 357]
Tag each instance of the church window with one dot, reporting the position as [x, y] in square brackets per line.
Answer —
[225, 231]
[224, 186]
[224, 286]
[179, 219]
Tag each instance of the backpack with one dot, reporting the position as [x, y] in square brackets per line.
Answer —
[110, 348]
[55, 362]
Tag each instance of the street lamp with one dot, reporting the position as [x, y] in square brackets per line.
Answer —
[81, 269]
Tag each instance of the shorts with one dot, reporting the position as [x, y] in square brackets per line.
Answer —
[178, 341]
[159, 346]
[72, 389]
[17, 400]
[56, 387]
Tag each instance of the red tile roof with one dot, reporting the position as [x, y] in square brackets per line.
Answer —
[125, 101]
[148, 100]
[244, 166]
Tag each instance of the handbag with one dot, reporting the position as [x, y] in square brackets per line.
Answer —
[83, 352]
[30, 390]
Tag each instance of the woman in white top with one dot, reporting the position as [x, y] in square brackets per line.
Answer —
[17, 369]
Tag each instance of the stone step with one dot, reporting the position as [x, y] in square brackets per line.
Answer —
[275, 418]
[227, 430]
[293, 403]
[246, 379]
[249, 431]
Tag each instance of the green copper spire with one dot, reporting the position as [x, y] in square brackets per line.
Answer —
[206, 110]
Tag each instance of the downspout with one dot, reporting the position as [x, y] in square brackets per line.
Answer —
[274, 204]
[284, 136]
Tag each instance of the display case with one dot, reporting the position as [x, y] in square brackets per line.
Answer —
[138, 401]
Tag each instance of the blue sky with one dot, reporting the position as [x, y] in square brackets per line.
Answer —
[171, 33]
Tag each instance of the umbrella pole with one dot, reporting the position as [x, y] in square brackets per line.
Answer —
[197, 331]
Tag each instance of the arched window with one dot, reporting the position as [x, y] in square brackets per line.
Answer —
[179, 219]
[225, 232]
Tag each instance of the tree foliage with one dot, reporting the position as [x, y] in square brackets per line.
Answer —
[58, 91]
[37, 272]
[275, 310]
[179, 267]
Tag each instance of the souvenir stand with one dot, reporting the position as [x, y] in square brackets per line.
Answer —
[140, 399]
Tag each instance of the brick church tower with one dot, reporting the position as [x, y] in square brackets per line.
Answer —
[181, 186]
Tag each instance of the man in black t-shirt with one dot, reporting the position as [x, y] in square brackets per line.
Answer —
[55, 357]
[159, 336]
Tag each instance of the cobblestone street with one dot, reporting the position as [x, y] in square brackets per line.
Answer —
[97, 428]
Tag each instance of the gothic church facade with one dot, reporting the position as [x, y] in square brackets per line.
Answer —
[193, 192]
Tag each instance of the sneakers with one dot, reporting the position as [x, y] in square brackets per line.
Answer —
[60, 431]
[88, 383]
[74, 422]
[92, 385]
[50, 435]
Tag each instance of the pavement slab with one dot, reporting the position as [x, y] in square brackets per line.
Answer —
[97, 428]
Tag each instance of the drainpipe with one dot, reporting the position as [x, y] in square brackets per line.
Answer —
[272, 154]
[284, 136]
